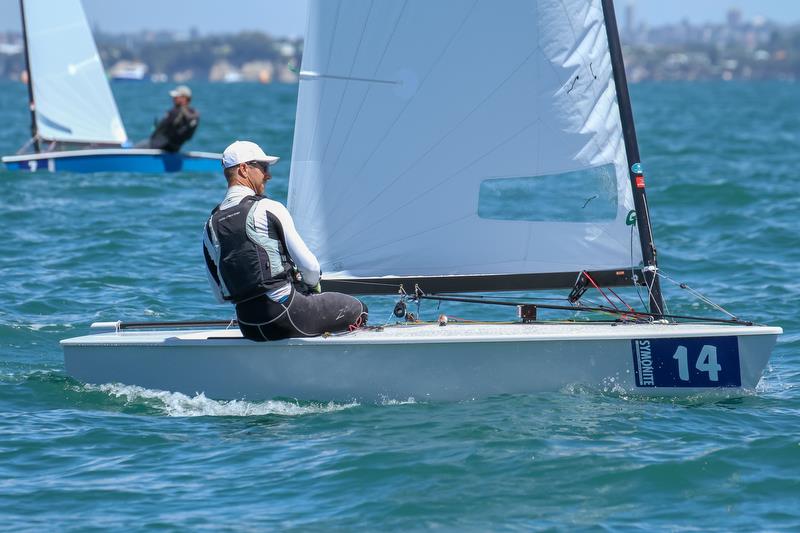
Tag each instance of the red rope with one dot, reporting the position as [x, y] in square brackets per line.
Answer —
[357, 324]
[596, 286]
[621, 300]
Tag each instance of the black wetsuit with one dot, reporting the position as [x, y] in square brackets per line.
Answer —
[175, 128]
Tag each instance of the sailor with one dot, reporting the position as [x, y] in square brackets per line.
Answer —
[256, 259]
[178, 124]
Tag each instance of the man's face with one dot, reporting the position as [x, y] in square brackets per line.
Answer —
[258, 175]
[180, 100]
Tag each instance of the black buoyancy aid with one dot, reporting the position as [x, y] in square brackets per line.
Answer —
[249, 268]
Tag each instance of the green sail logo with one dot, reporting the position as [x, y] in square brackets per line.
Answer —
[630, 220]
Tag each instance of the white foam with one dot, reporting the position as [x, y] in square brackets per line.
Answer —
[392, 401]
[177, 404]
[34, 326]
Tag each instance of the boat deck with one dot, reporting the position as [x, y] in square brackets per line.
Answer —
[433, 333]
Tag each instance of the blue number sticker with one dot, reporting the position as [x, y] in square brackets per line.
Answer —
[689, 362]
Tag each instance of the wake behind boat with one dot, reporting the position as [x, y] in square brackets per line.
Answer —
[75, 123]
[415, 175]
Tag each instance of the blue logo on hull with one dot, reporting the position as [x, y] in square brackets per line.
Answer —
[689, 362]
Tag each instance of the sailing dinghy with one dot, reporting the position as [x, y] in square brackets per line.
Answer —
[75, 123]
[457, 147]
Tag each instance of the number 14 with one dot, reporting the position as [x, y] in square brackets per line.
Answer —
[706, 362]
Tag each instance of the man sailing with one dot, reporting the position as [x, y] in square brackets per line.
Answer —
[257, 260]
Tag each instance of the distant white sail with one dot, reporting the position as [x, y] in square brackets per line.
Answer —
[73, 100]
[456, 137]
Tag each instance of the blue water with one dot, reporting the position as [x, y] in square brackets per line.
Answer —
[723, 167]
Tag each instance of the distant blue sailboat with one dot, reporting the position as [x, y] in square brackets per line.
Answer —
[75, 123]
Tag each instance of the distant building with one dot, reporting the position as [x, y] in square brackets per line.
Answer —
[260, 71]
[734, 17]
[223, 71]
[630, 19]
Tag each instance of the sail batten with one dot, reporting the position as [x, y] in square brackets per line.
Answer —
[72, 99]
[438, 175]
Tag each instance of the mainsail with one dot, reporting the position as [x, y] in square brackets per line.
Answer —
[72, 99]
[464, 145]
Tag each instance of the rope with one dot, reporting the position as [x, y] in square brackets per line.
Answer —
[697, 295]
[596, 286]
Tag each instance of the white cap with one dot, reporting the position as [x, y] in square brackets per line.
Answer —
[181, 90]
[244, 151]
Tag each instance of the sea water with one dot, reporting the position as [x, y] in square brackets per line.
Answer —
[723, 172]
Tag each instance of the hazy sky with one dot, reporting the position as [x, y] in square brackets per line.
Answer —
[287, 17]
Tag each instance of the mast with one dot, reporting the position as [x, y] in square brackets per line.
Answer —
[634, 164]
[31, 104]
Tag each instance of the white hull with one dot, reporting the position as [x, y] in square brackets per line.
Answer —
[454, 362]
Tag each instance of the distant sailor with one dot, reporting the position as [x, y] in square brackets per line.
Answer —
[179, 123]
[257, 260]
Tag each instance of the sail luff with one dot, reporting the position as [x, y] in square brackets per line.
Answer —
[634, 160]
[31, 103]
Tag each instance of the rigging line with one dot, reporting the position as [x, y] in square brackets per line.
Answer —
[389, 319]
[361, 104]
[664, 302]
[650, 289]
[587, 309]
[620, 299]
[596, 286]
[357, 174]
[697, 294]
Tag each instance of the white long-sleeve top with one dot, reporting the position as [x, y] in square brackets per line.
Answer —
[301, 256]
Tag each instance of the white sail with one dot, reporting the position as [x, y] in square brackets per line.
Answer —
[73, 102]
[460, 138]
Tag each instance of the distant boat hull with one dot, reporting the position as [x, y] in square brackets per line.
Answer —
[428, 362]
[145, 160]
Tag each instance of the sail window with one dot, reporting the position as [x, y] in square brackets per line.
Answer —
[587, 195]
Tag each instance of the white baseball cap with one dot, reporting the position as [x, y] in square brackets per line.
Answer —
[244, 151]
[181, 90]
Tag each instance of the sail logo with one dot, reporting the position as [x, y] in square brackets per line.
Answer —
[644, 364]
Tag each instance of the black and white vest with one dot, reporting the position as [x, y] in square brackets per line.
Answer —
[249, 263]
